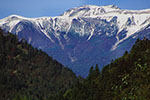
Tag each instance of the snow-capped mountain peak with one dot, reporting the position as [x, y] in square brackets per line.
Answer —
[89, 10]
[82, 33]
[76, 20]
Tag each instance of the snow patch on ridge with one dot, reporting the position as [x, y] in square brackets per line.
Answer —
[73, 59]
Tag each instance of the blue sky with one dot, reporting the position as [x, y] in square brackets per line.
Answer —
[39, 8]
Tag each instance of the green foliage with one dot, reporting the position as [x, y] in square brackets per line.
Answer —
[126, 78]
[18, 97]
[29, 72]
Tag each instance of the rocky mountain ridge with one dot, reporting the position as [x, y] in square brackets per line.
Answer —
[83, 36]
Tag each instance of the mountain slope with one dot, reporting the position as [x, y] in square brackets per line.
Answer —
[126, 78]
[26, 71]
[83, 36]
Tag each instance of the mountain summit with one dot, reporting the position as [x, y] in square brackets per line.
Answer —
[83, 36]
[90, 10]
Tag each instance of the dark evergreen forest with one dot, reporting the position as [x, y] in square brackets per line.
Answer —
[27, 73]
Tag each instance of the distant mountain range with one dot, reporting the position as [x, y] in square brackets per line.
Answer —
[83, 36]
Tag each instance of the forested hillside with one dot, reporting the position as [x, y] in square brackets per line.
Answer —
[28, 73]
[126, 78]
